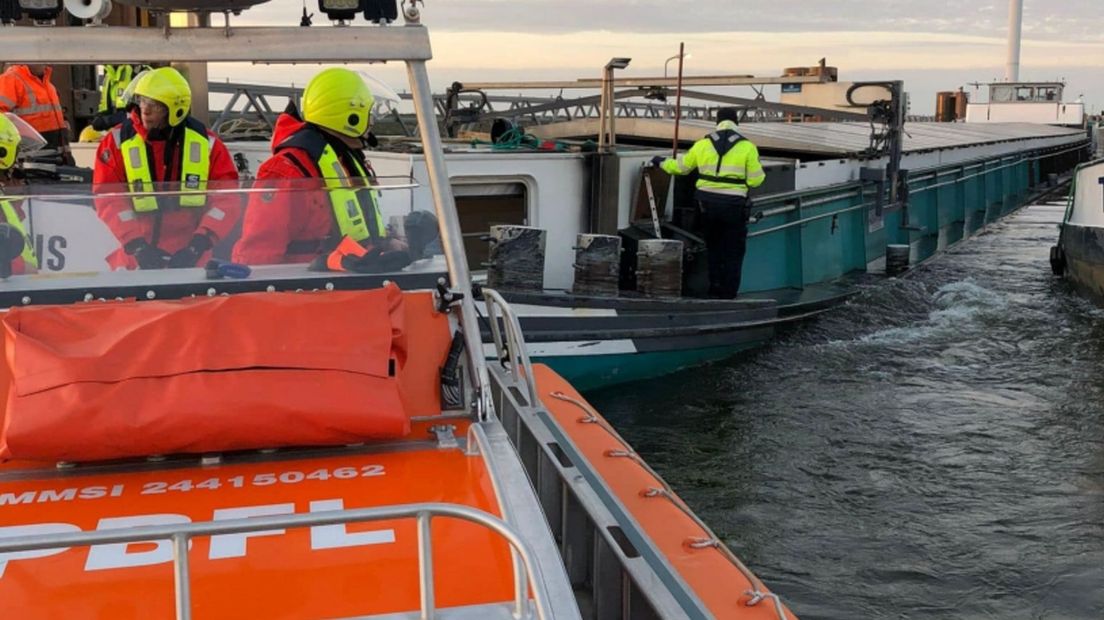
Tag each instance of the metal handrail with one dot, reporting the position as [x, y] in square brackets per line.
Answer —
[180, 534]
[513, 350]
[1071, 195]
[73, 197]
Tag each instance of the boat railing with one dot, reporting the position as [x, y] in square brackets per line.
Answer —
[509, 342]
[181, 534]
[783, 203]
[1072, 193]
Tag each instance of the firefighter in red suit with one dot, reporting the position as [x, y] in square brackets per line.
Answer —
[159, 143]
[319, 178]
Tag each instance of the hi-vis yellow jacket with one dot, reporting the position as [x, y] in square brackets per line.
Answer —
[726, 162]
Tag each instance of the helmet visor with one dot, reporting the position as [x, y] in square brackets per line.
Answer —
[386, 99]
[128, 92]
[30, 141]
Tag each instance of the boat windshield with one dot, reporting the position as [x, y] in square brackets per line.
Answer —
[63, 243]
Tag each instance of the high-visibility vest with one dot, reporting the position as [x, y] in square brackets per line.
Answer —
[195, 164]
[38, 103]
[345, 201]
[12, 218]
[725, 161]
[116, 79]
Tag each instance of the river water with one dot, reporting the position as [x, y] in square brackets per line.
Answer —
[933, 449]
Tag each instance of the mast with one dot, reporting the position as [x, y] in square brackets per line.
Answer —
[1015, 30]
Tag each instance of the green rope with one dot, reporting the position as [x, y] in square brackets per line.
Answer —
[516, 139]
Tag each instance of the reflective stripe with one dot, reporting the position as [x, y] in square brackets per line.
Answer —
[12, 218]
[727, 191]
[673, 166]
[344, 202]
[8, 103]
[36, 109]
[126, 216]
[138, 175]
[723, 171]
[196, 168]
[27, 90]
[216, 213]
[134, 155]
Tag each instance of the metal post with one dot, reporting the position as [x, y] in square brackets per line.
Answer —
[425, 567]
[1015, 30]
[611, 109]
[678, 101]
[180, 577]
[602, 112]
[451, 241]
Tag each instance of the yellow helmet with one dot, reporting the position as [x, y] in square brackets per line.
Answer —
[88, 134]
[9, 142]
[339, 100]
[167, 86]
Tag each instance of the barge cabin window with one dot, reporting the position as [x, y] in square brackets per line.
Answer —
[1025, 93]
[482, 205]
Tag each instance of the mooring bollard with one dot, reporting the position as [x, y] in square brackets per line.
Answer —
[516, 260]
[597, 265]
[659, 267]
[897, 259]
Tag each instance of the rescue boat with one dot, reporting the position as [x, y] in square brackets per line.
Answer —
[286, 443]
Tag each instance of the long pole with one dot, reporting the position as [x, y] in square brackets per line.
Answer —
[602, 118]
[1015, 30]
[451, 241]
[678, 103]
[611, 109]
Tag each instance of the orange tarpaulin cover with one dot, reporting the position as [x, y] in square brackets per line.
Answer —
[112, 380]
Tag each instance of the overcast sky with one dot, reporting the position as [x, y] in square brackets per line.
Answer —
[931, 44]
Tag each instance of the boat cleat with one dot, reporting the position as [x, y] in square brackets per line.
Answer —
[446, 437]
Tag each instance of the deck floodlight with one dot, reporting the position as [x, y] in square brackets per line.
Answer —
[377, 11]
[618, 63]
[41, 10]
[341, 10]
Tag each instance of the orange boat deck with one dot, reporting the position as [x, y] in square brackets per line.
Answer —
[323, 571]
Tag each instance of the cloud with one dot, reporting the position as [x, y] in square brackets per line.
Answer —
[1058, 19]
[888, 39]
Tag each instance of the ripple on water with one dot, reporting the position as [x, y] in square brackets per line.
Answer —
[932, 449]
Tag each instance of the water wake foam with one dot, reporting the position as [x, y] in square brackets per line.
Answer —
[956, 307]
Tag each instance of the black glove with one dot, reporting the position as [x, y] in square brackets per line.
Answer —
[105, 121]
[657, 160]
[189, 255]
[148, 256]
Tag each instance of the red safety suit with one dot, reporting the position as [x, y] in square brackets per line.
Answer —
[293, 223]
[171, 227]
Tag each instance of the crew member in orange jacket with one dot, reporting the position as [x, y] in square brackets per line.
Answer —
[26, 91]
[301, 219]
[160, 143]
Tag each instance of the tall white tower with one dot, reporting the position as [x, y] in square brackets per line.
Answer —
[1015, 30]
